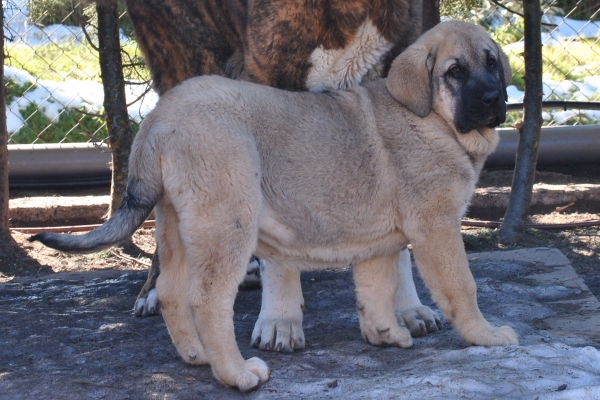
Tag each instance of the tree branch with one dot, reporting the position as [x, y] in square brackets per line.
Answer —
[496, 2]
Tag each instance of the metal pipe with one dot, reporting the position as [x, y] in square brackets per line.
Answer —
[84, 164]
[555, 104]
[70, 164]
[559, 145]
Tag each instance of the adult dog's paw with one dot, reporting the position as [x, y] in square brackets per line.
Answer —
[420, 320]
[281, 335]
[396, 336]
[147, 306]
[252, 279]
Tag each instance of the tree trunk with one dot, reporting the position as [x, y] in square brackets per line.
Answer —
[115, 104]
[431, 14]
[515, 218]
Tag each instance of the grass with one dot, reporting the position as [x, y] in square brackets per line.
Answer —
[60, 62]
[55, 62]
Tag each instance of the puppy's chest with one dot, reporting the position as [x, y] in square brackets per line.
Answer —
[345, 67]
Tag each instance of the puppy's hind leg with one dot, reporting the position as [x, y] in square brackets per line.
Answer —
[218, 250]
[173, 286]
[376, 283]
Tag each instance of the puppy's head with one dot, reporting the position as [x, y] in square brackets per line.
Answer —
[458, 71]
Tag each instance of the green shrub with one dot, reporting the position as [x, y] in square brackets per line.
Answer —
[71, 126]
[14, 90]
[581, 9]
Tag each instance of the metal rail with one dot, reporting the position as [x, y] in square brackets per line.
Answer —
[565, 105]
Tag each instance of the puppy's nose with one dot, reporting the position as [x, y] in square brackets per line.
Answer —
[490, 98]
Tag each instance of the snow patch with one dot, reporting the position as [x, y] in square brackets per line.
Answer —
[52, 97]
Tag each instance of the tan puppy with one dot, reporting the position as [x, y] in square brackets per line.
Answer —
[310, 181]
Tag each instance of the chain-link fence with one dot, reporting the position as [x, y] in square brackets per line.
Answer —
[53, 85]
[54, 91]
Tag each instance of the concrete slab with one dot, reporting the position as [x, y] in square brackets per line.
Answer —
[576, 311]
[547, 256]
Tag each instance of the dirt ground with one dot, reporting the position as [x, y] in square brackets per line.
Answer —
[77, 332]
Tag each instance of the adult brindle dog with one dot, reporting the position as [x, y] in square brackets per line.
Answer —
[310, 181]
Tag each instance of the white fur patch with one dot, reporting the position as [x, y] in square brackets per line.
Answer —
[342, 68]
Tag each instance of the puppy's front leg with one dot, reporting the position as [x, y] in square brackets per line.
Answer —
[376, 283]
[279, 324]
[442, 262]
[419, 319]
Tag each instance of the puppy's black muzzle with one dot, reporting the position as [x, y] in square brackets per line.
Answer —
[480, 104]
[493, 102]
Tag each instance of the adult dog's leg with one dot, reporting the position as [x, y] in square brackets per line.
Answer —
[173, 286]
[279, 324]
[419, 319]
[376, 283]
[442, 262]
[147, 301]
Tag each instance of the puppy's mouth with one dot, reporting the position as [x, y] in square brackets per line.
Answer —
[495, 121]
[491, 120]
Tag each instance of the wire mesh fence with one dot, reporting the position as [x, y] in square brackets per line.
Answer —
[52, 75]
[53, 82]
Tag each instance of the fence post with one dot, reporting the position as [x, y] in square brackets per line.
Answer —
[4, 231]
[115, 104]
[515, 218]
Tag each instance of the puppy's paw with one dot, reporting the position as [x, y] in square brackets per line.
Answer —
[488, 335]
[259, 368]
[147, 306]
[281, 335]
[396, 336]
[420, 320]
[254, 372]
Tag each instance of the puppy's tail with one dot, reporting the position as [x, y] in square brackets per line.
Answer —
[142, 194]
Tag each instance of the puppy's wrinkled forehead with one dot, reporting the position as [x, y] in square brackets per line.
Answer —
[468, 47]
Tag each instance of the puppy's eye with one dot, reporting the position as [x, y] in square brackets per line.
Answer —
[457, 72]
[492, 63]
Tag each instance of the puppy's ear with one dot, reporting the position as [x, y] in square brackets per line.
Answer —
[505, 70]
[409, 80]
